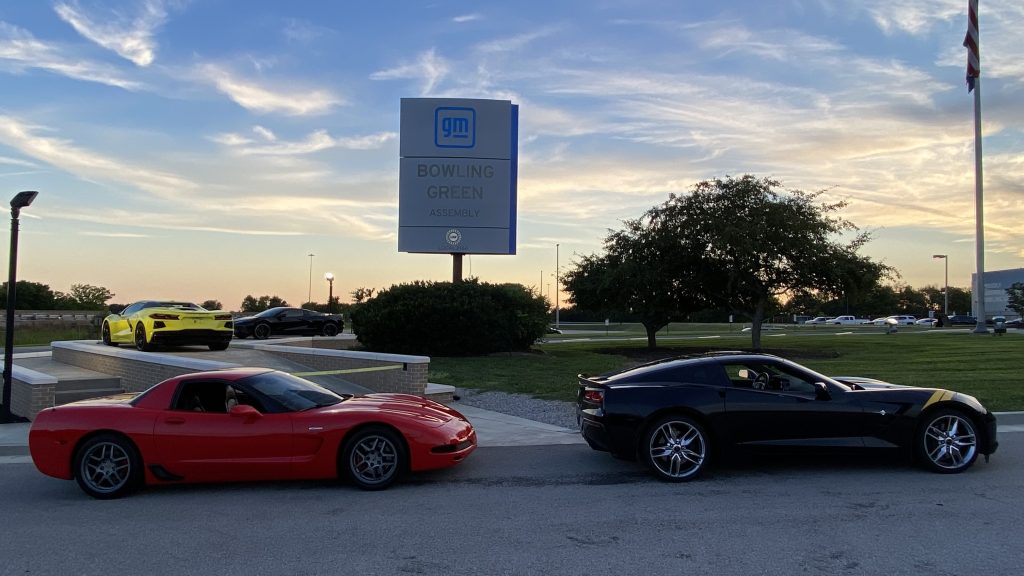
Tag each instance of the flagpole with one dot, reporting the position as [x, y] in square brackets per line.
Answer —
[979, 211]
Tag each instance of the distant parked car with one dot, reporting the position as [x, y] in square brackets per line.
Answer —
[818, 320]
[927, 321]
[962, 319]
[844, 320]
[1015, 323]
[901, 319]
[288, 322]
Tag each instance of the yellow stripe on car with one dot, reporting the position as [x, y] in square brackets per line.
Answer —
[938, 396]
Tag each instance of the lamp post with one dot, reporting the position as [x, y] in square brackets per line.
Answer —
[945, 258]
[556, 285]
[20, 200]
[309, 296]
[330, 292]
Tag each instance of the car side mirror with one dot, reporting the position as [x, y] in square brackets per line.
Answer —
[821, 391]
[245, 411]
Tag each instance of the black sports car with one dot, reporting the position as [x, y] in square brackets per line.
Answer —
[288, 322]
[675, 415]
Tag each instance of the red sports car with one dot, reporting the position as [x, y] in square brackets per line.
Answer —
[244, 424]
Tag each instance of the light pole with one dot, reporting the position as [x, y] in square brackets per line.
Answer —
[945, 258]
[20, 200]
[309, 296]
[556, 285]
[330, 291]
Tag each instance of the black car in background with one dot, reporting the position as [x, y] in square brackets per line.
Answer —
[676, 415]
[283, 321]
[962, 320]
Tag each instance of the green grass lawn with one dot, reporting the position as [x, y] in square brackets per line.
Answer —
[985, 366]
[42, 335]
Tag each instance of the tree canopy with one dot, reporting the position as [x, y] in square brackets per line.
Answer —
[252, 304]
[736, 243]
[1015, 297]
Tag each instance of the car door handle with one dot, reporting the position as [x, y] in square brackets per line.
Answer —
[175, 420]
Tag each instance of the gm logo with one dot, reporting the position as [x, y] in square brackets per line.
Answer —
[454, 127]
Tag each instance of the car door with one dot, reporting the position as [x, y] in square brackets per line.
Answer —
[198, 439]
[313, 322]
[291, 322]
[789, 411]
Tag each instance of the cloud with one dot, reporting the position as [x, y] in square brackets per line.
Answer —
[467, 17]
[514, 43]
[315, 142]
[428, 67]
[257, 98]
[16, 162]
[20, 50]
[303, 31]
[131, 37]
[116, 235]
[65, 155]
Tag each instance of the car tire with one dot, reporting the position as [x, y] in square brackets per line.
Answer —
[105, 335]
[330, 329]
[373, 458]
[216, 346]
[261, 331]
[140, 338]
[676, 448]
[108, 466]
[947, 442]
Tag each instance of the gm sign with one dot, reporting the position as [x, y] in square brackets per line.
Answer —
[454, 127]
[457, 176]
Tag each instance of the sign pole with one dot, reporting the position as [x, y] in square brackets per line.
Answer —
[456, 268]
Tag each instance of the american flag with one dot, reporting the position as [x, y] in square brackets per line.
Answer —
[971, 42]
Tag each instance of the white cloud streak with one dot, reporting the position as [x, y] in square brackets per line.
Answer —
[261, 99]
[428, 67]
[317, 141]
[20, 51]
[131, 37]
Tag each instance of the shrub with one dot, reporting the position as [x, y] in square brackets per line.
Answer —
[449, 319]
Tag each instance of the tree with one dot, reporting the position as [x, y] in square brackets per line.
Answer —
[88, 297]
[748, 243]
[212, 305]
[30, 296]
[360, 294]
[251, 304]
[1015, 297]
[633, 277]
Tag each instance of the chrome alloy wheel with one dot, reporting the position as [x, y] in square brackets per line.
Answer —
[950, 442]
[374, 460]
[678, 449]
[106, 467]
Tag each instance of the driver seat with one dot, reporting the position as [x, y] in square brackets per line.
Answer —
[230, 399]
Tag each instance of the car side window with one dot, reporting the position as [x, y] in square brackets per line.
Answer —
[213, 396]
[131, 309]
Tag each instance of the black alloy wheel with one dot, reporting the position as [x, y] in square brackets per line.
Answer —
[261, 331]
[140, 338]
[105, 334]
[330, 329]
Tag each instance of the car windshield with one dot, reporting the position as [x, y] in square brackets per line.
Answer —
[292, 392]
[270, 312]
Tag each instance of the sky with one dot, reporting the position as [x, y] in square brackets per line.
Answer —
[203, 149]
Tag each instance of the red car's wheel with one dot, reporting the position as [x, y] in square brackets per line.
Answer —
[374, 457]
[108, 466]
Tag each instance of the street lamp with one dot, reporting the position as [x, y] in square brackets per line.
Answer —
[945, 258]
[20, 200]
[309, 296]
[330, 292]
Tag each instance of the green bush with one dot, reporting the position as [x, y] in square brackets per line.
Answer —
[448, 319]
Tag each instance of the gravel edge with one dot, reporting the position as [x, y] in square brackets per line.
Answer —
[554, 412]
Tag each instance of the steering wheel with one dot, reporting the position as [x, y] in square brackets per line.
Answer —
[760, 381]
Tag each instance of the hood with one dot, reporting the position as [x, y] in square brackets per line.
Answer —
[425, 411]
[113, 400]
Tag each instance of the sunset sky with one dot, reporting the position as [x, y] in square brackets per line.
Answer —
[202, 149]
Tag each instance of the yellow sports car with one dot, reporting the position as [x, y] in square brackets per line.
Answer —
[151, 323]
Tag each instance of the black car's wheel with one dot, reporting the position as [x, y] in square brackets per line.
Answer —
[947, 442]
[108, 466]
[219, 345]
[261, 331]
[676, 448]
[373, 458]
[330, 329]
[140, 338]
[105, 335]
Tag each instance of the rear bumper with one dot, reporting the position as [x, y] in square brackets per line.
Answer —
[194, 336]
[593, 429]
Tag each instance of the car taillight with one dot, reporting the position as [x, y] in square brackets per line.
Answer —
[222, 317]
[164, 316]
[593, 395]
